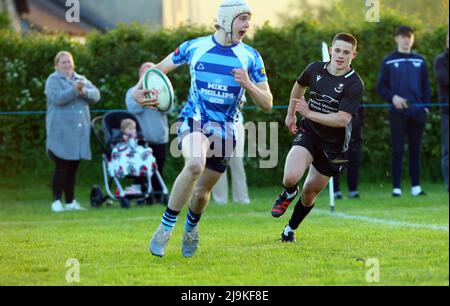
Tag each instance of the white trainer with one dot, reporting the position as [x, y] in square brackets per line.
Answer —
[57, 206]
[74, 206]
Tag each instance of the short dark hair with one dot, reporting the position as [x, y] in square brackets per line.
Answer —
[347, 38]
[404, 30]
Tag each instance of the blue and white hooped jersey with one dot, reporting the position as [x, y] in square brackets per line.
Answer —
[214, 94]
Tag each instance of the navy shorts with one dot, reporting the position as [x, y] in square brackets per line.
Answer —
[327, 162]
[221, 148]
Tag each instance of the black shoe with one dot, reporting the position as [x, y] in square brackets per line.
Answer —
[396, 195]
[290, 237]
[281, 204]
[338, 195]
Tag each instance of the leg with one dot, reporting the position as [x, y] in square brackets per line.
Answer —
[238, 175]
[315, 182]
[416, 128]
[69, 188]
[199, 202]
[298, 159]
[354, 157]
[59, 176]
[220, 190]
[444, 147]
[194, 148]
[398, 130]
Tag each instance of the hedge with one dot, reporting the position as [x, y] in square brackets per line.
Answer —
[111, 61]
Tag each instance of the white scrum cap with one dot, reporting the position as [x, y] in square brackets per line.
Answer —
[228, 11]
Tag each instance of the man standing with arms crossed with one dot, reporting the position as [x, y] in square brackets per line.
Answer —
[222, 68]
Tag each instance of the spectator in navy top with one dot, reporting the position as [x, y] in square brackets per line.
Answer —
[403, 82]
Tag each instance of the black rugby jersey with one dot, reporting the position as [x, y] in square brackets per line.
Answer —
[330, 94]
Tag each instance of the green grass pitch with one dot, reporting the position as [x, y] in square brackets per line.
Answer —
[407, 238]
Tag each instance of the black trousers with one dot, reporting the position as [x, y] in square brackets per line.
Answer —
[64, 177]
[406, 128]
[354, 155]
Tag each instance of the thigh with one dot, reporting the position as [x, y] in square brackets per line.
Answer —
[398, 125]
[194, 147]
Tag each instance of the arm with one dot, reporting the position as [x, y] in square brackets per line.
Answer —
[426, 98]
[383, 86]
[337, 120]
[91, 93]
[260, 92]
[56, 95]
[297, 92]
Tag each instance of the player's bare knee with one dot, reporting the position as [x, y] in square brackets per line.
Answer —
[201, 195]
[290, 181]
[194, 169]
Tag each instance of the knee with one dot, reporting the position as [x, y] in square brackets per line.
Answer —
[290, 181]
[309, 196]
[201, 195]
[194, 169]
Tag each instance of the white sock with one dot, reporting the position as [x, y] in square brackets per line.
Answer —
[397, 191]
[415, 190]
[287, 229]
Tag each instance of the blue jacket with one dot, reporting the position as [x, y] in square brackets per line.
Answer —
[405, 75]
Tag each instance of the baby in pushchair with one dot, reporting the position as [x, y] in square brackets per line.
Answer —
[128, 158]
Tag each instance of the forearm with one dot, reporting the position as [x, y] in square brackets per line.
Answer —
[296, 93]
[335, 120]
[262, 97]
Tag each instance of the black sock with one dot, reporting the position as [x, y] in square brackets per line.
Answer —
[290, 190]
[300, 212]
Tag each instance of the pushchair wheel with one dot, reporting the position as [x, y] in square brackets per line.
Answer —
[124, 203]
[150, 199]
[96, 196]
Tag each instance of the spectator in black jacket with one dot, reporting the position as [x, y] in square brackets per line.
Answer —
[441, 71]
[403, 82]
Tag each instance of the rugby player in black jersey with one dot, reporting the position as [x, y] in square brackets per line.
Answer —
[323, 134]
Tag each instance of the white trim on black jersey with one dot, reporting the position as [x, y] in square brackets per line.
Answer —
[346, 76]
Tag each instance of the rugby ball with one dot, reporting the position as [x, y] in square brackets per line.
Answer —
[161, 88]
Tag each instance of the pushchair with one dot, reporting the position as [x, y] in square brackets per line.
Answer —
[106, 128]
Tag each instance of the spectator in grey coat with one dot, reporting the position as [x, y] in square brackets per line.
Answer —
[155, 129]
[68, 127]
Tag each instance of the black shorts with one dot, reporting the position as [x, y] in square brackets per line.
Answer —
[327, 162]
[220, 150]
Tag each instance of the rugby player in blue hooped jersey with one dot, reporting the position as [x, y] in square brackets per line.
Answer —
[222, 68]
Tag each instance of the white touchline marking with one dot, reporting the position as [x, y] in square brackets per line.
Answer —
[382, 221]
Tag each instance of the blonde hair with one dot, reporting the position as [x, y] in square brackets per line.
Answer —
[127, 123]
[61, 54]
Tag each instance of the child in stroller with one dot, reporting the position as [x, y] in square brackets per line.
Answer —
[126, 156]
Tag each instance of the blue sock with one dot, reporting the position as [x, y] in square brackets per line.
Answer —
[169, 218]
[191, 221]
